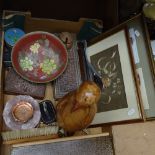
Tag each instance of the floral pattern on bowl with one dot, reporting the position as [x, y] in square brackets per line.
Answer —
[39, 57]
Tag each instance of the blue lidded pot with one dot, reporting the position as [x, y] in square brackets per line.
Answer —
[12, 35]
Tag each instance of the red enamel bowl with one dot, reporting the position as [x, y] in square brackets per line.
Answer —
[39, 57]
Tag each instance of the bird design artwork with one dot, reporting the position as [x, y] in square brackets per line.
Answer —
[76, 110]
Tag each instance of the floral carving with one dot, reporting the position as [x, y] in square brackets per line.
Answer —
[48, 66]
[26, 64]
[34, 48]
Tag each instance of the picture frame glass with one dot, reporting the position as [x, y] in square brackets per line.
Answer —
[142, 58]
[110, 57]
[107, 63]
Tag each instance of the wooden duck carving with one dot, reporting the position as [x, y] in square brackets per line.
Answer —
[76, 110]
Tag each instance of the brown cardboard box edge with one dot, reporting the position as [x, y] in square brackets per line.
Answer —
[38, 24]
[134, 139]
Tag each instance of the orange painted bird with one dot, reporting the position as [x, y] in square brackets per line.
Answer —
[76, 110]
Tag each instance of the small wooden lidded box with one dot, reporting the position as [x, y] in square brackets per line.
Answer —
[141, 69]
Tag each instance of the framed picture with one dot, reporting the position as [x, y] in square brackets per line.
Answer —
[144, 62]
[112, 59]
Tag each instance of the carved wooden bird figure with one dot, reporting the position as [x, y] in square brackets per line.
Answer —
[76, 110]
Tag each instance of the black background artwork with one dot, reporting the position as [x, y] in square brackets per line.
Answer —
[108, 65]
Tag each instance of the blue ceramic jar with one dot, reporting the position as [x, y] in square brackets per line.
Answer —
[12, 35]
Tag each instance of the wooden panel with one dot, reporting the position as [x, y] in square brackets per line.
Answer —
[93, 146]
[49, 25]
[5, 150]
[62, 139]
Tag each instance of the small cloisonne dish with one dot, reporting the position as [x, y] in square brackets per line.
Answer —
[21, 112]
[12, 35]
[39, 57]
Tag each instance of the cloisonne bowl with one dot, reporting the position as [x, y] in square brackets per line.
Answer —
[39, 57]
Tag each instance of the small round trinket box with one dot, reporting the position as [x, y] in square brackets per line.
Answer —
[12, 35]
[21, 112]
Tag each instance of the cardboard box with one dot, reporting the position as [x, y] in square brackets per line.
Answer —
[50, 25]
[37, 24]
[134, 139]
